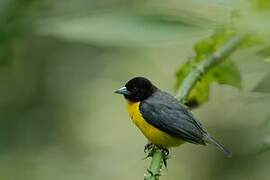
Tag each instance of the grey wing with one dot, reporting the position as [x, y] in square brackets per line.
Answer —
[165, 113]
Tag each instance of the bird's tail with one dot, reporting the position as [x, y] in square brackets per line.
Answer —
[220, 146]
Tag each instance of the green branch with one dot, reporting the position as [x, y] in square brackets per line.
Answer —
[206, 64]
[153, 172]
[185, 88]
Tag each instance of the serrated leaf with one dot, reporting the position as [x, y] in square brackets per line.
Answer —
[264, 85]
[224, 73]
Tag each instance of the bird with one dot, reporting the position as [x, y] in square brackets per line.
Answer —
[162, 119]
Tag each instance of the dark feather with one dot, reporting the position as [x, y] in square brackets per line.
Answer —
[164, 111]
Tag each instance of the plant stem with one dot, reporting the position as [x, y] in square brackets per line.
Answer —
[155, 166]
[187, 85]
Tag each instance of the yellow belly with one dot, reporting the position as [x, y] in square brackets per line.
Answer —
[153, 134]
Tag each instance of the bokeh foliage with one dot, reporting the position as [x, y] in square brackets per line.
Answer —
[61, 60]
[224, 73]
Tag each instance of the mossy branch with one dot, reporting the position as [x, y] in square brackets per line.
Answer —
[189, 82]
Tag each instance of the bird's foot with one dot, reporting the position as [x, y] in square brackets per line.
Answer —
[166, 155]
[149, 149]
[165, 151]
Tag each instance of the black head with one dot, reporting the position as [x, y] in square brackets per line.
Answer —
[137, 89]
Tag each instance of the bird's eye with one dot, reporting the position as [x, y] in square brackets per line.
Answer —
[134, 88]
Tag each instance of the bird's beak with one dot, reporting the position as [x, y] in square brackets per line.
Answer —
[122, 91]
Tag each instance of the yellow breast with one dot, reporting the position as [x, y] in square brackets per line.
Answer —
[153, 134]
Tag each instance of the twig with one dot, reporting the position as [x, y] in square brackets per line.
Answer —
[153, 172]
[210, 61]
[187, 85]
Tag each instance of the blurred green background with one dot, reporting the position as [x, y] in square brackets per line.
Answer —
[60, 62]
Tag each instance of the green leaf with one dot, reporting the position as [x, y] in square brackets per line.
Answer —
[264, 85]
[199, 94]
[224, 73]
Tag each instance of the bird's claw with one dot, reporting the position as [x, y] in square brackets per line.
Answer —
[165, 151]
[150, 149]
[166, 155]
